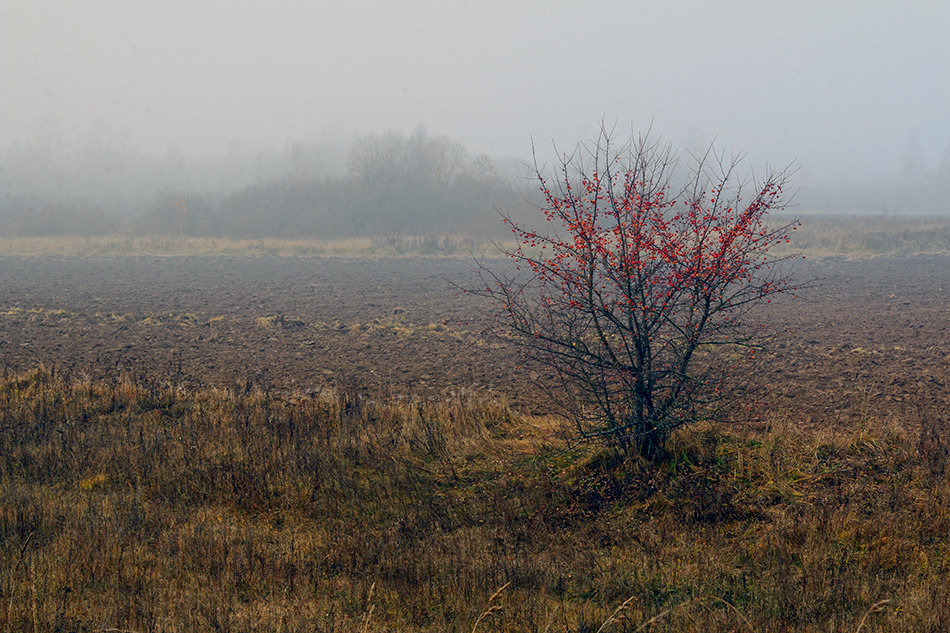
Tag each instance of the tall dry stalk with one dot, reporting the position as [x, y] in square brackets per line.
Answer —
[491, 608]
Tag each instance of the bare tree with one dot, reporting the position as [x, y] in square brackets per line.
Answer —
[634, 288]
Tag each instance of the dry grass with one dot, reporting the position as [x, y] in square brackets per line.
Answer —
[869, 236]
[141, 508]
[421, 245]
[819, 236]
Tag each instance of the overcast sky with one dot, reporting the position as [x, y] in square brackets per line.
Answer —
[846, 88]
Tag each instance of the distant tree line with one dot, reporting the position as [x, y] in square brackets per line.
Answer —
[388, 183]
[377, 184]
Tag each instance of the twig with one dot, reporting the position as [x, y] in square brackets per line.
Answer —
[875, 608]
[614, 617]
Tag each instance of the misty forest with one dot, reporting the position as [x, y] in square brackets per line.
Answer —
[376, 184]
[379, 184]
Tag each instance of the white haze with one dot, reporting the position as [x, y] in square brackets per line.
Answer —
[853, 91]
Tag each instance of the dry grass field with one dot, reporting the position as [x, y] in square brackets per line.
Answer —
[207, 439]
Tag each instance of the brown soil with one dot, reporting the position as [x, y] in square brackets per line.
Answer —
[872, 336]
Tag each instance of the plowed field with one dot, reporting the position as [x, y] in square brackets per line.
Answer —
[872, 337]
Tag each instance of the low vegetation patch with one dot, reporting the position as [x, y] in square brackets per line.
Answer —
[869, 236]
[139, 507]
[396, 245]
[819, 236]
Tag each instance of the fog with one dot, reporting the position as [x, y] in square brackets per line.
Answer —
[107, 106]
